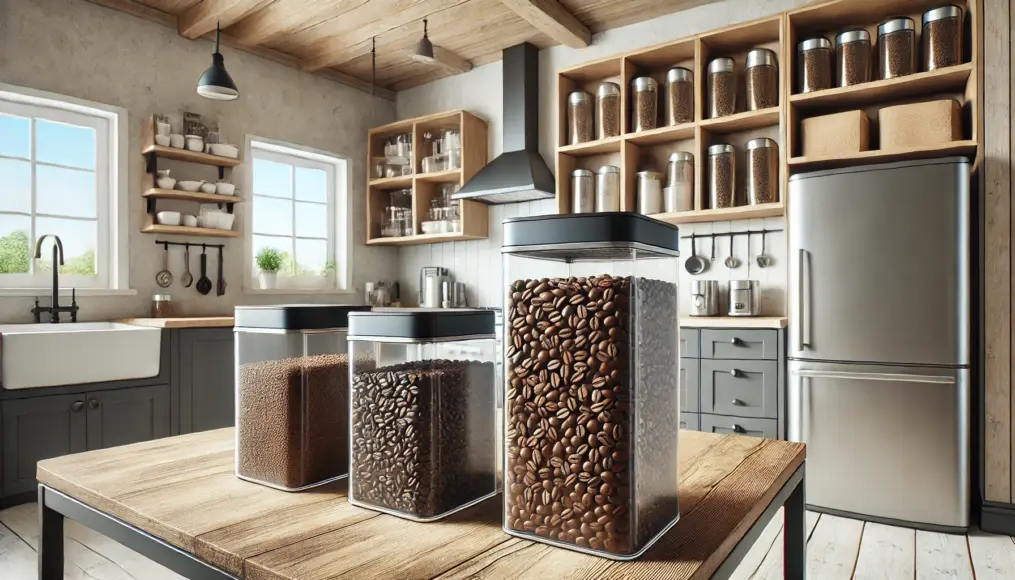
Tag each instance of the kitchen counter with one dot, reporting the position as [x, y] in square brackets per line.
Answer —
[775, 322]
[191, 322]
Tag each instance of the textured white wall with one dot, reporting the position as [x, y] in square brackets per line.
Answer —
[76, 48]
[477, 263]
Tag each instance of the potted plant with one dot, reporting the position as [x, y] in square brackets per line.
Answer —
[269, 262]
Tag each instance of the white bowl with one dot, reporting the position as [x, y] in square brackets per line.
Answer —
[225, 150]
[195, 143]
[224, 221]
[225, 188]
[177, 141]
[163, 140]
[207, 187]
[168, 218]
[189, 220]
[166, 182]
[190, 186]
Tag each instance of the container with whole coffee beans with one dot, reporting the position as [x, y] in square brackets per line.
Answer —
[591, 408]
[896, 48]
[292, 394]
[814, 65]
[942, 37]
[422, 419]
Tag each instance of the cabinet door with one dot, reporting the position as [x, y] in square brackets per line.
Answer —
[205, 374]
[767, 428]
[127, 416]
[36, 429]
[746, 388]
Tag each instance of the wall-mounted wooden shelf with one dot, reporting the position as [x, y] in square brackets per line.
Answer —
[962, 148]
[187, 231]
[190, 156]
[423, 239]
[951, 79]
[191, 196]
[745, 212]
[742, 121]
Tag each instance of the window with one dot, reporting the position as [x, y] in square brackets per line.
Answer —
[298, 206]
[59, 176]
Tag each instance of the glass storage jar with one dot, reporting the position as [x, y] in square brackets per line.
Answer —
[607, 110]
[896, 48]
[162, 306]
[579, 117]
[645, 110]
[583, 195]
[650, 192]
[292, 373]
[814, 65]
[608, 188]
[722, 88]
[679, 96]
[762, 72]
[592, 332]
[762, 171]
[422, 411]
[721, 176]
[679, 192]
[942, 37]
[852, 57]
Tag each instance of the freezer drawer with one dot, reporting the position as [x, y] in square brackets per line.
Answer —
[689, 421]
[884, 441]
[747, 388]
[689, 342]
[740, 344]
[689, 385]
[767, 428]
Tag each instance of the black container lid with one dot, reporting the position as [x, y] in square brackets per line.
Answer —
[421, 323]
[296, 316]
[590, 236]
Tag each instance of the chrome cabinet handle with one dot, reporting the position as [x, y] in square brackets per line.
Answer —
[885, 377]
[738, 429]
[735, 341]
[738, 403]
[801, 303]
[736, 373]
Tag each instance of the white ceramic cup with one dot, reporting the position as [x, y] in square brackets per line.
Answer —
[195, 143]
[176, 141]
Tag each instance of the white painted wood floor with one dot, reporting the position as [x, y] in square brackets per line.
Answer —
[837, 548]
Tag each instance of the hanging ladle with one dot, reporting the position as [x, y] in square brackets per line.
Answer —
[764, 260]
[731, 261]
[695, 265]
[164, 278]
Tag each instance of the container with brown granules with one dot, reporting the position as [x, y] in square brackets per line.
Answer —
[896, 48]
[942, 37]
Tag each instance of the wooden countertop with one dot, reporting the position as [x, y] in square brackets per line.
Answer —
[734, 322]
[193, 322]
[183, 491]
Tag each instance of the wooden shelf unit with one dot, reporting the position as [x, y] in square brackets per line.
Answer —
[187, 231]
[424, 186]
[190, 156]
[159, 193]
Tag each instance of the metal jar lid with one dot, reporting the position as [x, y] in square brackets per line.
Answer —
[814, 44]
[760, 57]
[761, 143]
[581, 173]
[607, 90]
[644, 84]
[721, 64]
[578, 97]
[941, 12]
[161, 298]
[608, 169]
[851, 36]
[720, 149]
[681, 156]
[896, 24]
[650, 175]
[678, 74]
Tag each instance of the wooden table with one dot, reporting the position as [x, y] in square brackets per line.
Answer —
[177, 501]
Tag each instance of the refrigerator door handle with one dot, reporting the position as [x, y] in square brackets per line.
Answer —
[888, 377]
[801, 302]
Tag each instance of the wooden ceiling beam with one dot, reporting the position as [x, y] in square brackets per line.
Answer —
[202, 18]
[287, 17]
[554, 20]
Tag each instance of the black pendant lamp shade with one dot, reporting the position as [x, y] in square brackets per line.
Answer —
[424, 48]
[216, 83]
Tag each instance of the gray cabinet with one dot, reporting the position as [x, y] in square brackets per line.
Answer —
[127, 416]
[740, 344]
[689, 385]
[739, 426]
[747, 388]
[37, 429]
[203, 369]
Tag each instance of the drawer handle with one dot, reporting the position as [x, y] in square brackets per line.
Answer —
[738, 429]
[78, 406]
[93, 403]
[738, 403]
[736, 341]
[735, 373]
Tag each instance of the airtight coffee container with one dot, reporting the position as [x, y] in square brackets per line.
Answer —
[579, 117]
[607, 110]
[679, 96]
[722, 176]
[762, 72]
[292, 394]
[852, 57]
[608, 188]
[422, 411]
[645, 108]
[592, 371]
[814, 65]
[583, 194]
[941, 38]
[722, 88]
[896, 48]
[762, 171]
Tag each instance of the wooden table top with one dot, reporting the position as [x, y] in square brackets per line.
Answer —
[183, 490]
[191, 322]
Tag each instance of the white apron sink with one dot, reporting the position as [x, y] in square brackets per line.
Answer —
[48, 355]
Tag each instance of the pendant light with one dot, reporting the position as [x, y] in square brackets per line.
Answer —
[216, 83]
[424, 48]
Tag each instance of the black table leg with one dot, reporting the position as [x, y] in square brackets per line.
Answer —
[50, 540]
[795, 535]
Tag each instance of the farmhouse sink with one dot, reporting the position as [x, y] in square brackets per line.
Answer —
[47, 355]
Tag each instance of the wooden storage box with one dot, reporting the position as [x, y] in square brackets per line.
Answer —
[838, 134]
[920, 124]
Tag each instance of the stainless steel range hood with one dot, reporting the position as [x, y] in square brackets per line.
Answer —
[518, 174]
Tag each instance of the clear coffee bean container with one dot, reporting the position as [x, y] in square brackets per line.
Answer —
[607, 110]
[762, 171]
[292, 394]
[762, 72]
[896, 48]
[592, 370]
[645, 110]
[422, 411]
[722, 176]
[579, 117]
[852, 57]
[941, 38]
[679, 96]
[722, 88]
[814, 65]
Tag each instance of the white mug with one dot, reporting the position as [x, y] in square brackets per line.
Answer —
[176, 141]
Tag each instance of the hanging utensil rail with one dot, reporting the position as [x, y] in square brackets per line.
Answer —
[727, 234]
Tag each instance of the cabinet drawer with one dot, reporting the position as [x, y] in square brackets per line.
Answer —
[689, 339]
[689, 374]
[767, 428]
[747, 388]
[689, 421]
[740, 344]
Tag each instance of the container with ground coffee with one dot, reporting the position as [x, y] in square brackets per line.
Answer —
[762, 171]
[762, 71]
[579, 117]
[292, 389]
[722, 88]
[941, 39]
[721, 176]
[896, 48]
[852, 57]
[645, 107]
[592, 371]
[679, 96]
[422, 411]
[607, 110]
[814, 65]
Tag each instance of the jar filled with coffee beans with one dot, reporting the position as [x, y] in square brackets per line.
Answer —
[292, 394]
[852, 57]
[762, 72]
[592, 406]
[722, 88]
[762, 171]
[645, 104]
[422, 411]
[679, 96]
[607, 110]
[583, 195]
[579, 117]
[941, 38]
[722, 165]
[608, 188]
[814, 65]
[896, 48]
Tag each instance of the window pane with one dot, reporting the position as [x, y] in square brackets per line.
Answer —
[14, 136]
[273, 216]
[283, 244]
[311, 220]
[66, 192]
[15, 244]
[68, 145]
[15, 185]
[272, 178]
[78, 239]
[311, 256]
[311, 184]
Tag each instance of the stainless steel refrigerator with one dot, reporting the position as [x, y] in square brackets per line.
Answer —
[879, 344]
